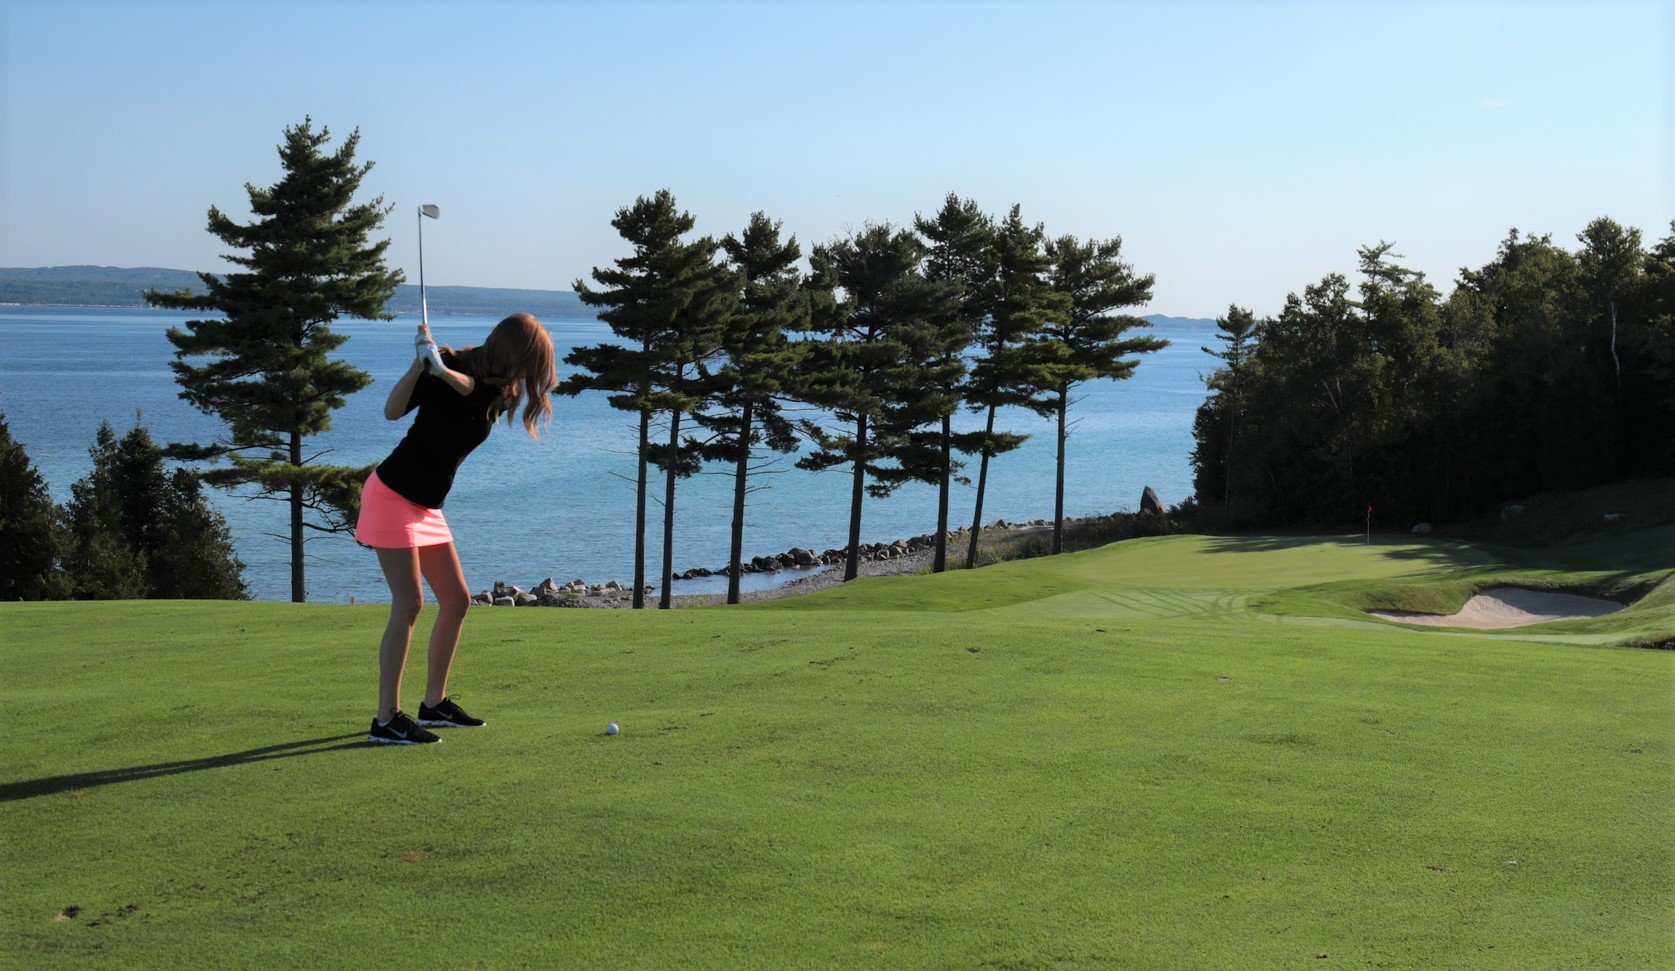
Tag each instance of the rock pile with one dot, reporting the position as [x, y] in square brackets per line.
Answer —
[801, 558]
[548, 593]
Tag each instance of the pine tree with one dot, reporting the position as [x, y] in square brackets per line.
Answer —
[668, 301]
[681, 381]
[859, 364]
[102, 561]
[1237, 331]
[29, 532]
[760, 362]
[1021, 302]
[961, 253]
[1084, 340]
[139, 531]
[916, 418]
[269, 373]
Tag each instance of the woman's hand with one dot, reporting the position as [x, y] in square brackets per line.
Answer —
[424, 347]
[426, 354]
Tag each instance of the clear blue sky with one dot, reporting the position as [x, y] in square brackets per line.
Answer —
[1241, 150]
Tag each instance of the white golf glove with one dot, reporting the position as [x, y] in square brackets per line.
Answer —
[426, 352]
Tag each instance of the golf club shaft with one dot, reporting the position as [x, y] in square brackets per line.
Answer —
[424, 306]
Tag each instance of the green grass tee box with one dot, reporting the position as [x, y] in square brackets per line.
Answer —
[1184, 752]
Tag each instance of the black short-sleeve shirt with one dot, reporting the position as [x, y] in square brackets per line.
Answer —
[448, 427]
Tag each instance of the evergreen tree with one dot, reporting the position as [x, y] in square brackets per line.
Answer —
[760, 363]
[1237, 331]
[1407, 462]
[961, 254]
[682, 381]
[269, 373]
[1655, 445]
[858, 365]
[668, 301]
[102, 561]
[1539, 418]
[194, 558]
[139, 531]
[1084, 340]
[1021, 301]
[1611, 265]
[29, 533]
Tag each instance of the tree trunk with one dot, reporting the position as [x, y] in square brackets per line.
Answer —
[1227, 470]
[663, 602]
[1058, 488]
[852, 557]
[640, 514]
[982, 484]
[940, 563]
[740, 473]
[299, 590]
[1616, 363]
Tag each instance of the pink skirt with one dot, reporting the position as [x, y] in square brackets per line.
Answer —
[389, 520]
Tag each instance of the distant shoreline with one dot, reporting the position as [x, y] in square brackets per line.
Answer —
[112, 288]
[502, 306]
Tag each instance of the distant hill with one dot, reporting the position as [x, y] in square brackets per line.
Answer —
[1181, 323]
[115, 286]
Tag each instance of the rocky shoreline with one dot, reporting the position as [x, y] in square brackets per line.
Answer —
[911, 555]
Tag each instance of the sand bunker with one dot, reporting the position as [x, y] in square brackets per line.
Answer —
[1495, 608]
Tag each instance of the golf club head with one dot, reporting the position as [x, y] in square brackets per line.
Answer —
[431, 209]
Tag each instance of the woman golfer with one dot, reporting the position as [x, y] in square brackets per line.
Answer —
[459, 394]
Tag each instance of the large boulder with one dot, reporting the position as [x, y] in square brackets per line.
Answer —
[1422, 529]
[803, 557]
[1149, 502]
[504, 602]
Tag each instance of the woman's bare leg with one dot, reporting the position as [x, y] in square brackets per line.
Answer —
[440, 564]
[401, 570]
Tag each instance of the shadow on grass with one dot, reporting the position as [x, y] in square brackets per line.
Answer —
[1444, 553]
[51, 785]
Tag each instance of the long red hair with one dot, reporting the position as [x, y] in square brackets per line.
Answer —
[518, 356]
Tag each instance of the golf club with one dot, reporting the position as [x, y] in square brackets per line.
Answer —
[435, 212]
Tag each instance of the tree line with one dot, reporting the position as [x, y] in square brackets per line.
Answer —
[889, 333]
[132, 529]
[1544, 368]
[723, 347]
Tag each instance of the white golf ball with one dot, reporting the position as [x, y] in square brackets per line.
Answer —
[611, 729]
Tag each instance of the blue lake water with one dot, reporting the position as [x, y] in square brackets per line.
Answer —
[563, 506]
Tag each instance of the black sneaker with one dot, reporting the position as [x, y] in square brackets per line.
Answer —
[446, 714]
[401, 730]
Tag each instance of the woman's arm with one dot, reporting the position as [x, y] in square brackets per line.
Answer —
[459, 381]
[401, 396]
